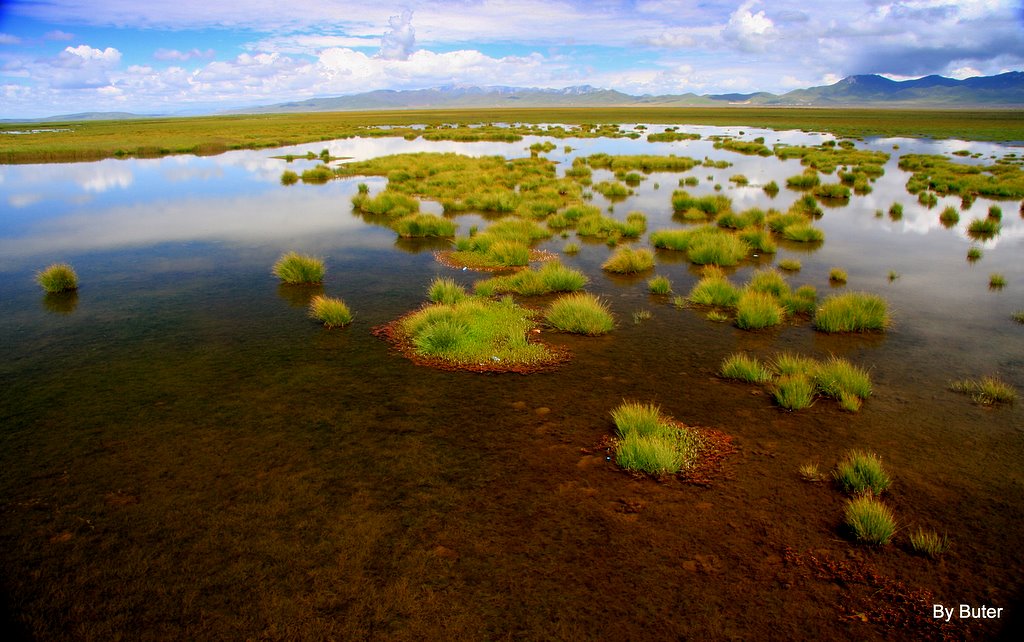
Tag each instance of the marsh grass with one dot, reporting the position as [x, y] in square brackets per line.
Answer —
[996, 281]
[837, 275]
[745, 368]
[288, 177]
[640, 316]
[653, 455]
[58, 277]
[296, 268]
[928, 542]
[551, 277]
[445, 290]
[571, 248]
[716, 316]
[386, 204]
[318, 174]
[711, 246]
[769, 281]
[852, 312]
[809, 472]
[475, 332]
[424, 225]
[714, 289]
[627, 260]
[790, 265]
[983, 228]
[974, 253]
[803, 300]
[650, 442]
[870, 520]
[949, 216]
[793, 392]
[896, 211]
[759, 240]
[659, 285]
[580, 313]
[1018, 316]
[330, 311]
[987, 391]
[790, 364]
[803, 233]
[635, 418]
[757, 310]
[840, 379]
[771, 189]
[861, 472]
[928, 199]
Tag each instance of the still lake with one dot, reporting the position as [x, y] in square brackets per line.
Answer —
[184, 454]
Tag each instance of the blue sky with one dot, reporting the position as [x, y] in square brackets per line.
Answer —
[66, 56]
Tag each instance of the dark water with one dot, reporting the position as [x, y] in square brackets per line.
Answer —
[185, 455]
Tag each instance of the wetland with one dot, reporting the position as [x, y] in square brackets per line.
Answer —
[186, 454]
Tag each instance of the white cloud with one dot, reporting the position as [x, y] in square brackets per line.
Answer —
[174, 54]
[57, 34]
[747, 30]
[400, 41]
[9, 39]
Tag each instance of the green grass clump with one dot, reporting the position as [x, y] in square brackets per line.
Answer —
[806, 180]
[332, 312]
[318, 174]
[288, 177]
[987, 391]
[949, 216]
[652, 455]
[716, 247]
[739, 179]
[59, 277]
[1018, 316]
[771, 189]
[711, 205]
[745, 368]
[635, 418]
[659, 285]
[896, 211]
[770, 281]
[837, 275]
[580, 313]
[715, 289]
[474, 332]
[422, 225]
[641, 315]
[387, 204]
[789, 364]
[296, 268]
[803, 300]
[445, 290]
[650, 442]
[759, 240]
[928, 543]
[983, 228]
[571, 248]
[790, 265]
[840, 379]
[551, 277]
[996, 281]
[928, 199]
[833, 191]
[740, 220]
[974, 253]
[626, 260]
[861, 472]
[803, 233]
[756, 310]
[852, 312]
[793, 392]
[995, 212]
[870, 520]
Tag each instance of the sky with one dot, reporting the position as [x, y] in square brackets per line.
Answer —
[192, 56]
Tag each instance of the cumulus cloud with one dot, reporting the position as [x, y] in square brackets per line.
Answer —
[399, 42]
[747, 30]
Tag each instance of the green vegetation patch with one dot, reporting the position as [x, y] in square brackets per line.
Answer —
[330, 311]
[627, 260]
[744, 367]
[870, 521]
[295, 268]
[424, 225]
[757, 310]
[945, 176]
[475, 334]
[580, 313]
[643, 162]
[987, 390]
[58, 277]
[861, 472]
[852, 312]
[795, 381]
[929, 543]
[551, 277]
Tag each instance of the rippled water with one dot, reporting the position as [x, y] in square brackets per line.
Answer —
[186, 455]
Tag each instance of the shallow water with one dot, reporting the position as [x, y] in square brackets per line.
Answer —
[186, 455]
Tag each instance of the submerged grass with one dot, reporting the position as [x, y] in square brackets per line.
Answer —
[296, 268]
[580, 313]
[987, 391]
[58, 277]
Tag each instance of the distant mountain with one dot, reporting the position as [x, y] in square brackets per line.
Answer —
[1004, 90]
[931, 92]
[87, 115]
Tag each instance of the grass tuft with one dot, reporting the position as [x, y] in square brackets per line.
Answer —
[580, 313]
[790, 265]
[745, 368]
[839, 379]
[445, 290]
[626, 260]
[928, 543]
[793, 392]
[59, 277]
[837, 275]
[659, 285]
[296, 268]
[332, 312]
[996, 281]
[870, 520]
[987, 391]
[852, 312]
[861, 472]
[756, 310]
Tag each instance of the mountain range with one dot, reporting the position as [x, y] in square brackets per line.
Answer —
[931, 92]
[1004, 91]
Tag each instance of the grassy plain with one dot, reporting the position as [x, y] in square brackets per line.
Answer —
[151, 137]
